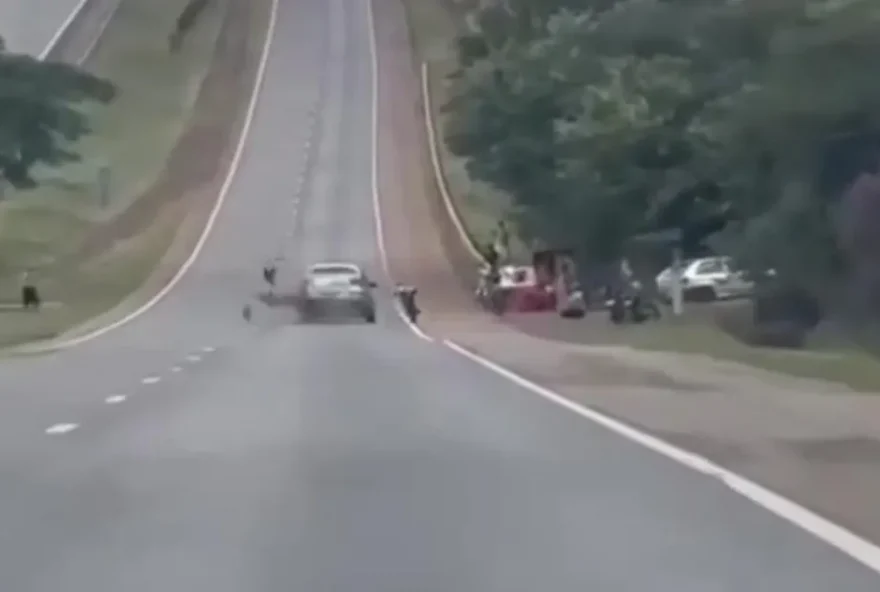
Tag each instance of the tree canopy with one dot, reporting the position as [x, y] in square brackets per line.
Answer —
[40, 116]
[744, 124]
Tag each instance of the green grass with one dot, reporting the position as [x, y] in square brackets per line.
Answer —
[134, 135]
[827, 357]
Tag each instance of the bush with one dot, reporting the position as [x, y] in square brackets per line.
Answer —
[740, 324]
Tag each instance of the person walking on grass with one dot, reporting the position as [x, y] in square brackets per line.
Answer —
[30, 296]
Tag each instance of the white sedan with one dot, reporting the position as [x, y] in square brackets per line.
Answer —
[708, 278]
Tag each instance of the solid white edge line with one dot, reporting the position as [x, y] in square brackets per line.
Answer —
[374, 171]
[218, 205]
[860, 549]
[844, 540]
[62, 30]
[439, 177]
[101, 30]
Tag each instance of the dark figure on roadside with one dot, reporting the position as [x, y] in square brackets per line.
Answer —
[491, 256]
[407, 296]
[185, 22]
[641, 306]
[493, 259]
[269, 273]
[30, 296]
[617, 308]
[502, 240]
[636, 312]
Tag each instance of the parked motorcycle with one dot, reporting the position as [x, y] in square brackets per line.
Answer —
[634, 308]
[488, 292]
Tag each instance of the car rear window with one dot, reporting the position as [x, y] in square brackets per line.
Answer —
[710, 266]
[334, 270]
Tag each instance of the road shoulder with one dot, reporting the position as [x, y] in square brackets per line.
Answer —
[818, 447]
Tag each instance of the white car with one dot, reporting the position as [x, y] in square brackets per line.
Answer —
[332, 287]
[708, 278]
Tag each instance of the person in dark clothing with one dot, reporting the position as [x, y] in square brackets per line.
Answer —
[491, 256]
[407, 296]
[269, 273]
[617, 308]
[30, 296]
[185, 22]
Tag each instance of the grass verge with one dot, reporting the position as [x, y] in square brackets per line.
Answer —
[88, 258]
[433, 26]
[826, 358]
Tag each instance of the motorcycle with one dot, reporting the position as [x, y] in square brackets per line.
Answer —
[488, 292]
[407, 297]
[634, 308]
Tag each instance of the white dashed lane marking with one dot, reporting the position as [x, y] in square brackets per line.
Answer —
[61, 428]
[65, 428]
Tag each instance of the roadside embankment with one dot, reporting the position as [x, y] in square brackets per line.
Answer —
[119, 219]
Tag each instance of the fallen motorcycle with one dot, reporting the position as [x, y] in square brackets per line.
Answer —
[634, 309]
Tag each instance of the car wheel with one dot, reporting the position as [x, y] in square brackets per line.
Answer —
[370, 317]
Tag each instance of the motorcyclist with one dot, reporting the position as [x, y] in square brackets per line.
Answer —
[270, 270]
[490, 274]
[617, 307]
[407, 296]
[641, 306]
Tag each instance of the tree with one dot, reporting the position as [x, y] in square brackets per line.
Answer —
[39, 113]
[737, 122]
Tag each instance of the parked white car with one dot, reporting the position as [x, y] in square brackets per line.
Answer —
[708, 278]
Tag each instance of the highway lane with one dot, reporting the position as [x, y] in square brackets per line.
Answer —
[205, 308]
[27, 26]
[347, 457]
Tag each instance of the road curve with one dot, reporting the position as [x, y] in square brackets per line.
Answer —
[340, 457]
[28, 26]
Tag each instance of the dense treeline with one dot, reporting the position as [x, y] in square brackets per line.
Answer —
[752, 126]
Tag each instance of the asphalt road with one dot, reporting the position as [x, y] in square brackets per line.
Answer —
[277, 457]
[27, 26]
